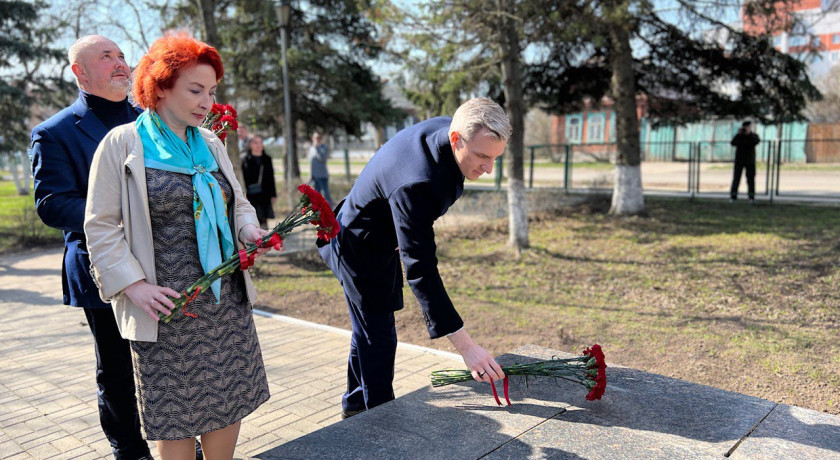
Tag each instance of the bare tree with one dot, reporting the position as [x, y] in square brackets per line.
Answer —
[827, 110]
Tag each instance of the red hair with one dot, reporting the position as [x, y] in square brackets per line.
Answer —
[167, 56]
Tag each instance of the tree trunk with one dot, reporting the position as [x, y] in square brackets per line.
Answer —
[27, 173]
[297, 172]
[22, 186]
[296, 178]
[512, 80]
[627, 198]
[207, 9]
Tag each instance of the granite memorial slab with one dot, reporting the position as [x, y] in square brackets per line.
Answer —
[458, 421]
[793, 432]
[642, 415]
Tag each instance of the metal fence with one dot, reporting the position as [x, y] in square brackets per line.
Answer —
[793, 168]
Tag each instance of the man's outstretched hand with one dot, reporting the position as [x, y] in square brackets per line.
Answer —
[483, 367]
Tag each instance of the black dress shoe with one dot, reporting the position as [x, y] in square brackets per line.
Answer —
[345, 414]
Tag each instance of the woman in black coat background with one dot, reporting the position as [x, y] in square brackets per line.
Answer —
[259, 180]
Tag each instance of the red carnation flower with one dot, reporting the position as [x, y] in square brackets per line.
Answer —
[314, 198]
[600, 366]
[220, 119]
[328, 226]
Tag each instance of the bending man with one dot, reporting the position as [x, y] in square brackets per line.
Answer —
[386, 218]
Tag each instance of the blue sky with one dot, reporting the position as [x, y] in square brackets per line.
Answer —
[97, 14]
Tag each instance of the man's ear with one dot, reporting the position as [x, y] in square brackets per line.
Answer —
[454, 137]
[77, 69]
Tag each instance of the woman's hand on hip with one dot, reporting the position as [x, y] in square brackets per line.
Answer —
[151, 298]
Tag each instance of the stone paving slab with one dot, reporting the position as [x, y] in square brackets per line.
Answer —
[793, 432]
[642, 415]
[48, 392]
[427, 423]
[647, 413]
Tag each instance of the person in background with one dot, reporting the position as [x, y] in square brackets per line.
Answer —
[258, 173]
[61, 151]
[319, 153]
[164, 208]
[744, 141]
[244, 135]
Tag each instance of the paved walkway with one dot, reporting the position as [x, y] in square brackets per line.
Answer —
[47, 390]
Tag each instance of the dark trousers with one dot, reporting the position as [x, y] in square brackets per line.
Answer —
[736, 180]
[322, 186]
[370, 368]
[118, 413]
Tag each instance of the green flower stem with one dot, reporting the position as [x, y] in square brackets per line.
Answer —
[295, 219]
[573, 369]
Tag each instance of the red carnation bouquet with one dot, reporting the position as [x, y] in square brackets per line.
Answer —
[220, 119]
[311, 208]
[590, 370]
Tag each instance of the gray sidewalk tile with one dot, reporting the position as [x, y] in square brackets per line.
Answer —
[21, 456]
[9, 449]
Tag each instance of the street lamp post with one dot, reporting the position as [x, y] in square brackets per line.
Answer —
[283, 13]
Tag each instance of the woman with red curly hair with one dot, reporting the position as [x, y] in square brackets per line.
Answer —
[163, 208]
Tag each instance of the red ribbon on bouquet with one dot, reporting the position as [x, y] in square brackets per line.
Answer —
[190, 299]
[505, 387]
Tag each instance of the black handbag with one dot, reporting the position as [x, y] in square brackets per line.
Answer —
[255, 189]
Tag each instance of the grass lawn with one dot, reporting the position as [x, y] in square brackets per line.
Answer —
[20, 227]
[745, 298]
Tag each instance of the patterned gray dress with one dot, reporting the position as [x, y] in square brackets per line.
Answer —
[203, 373]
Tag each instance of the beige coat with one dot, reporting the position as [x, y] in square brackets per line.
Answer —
[118, 227]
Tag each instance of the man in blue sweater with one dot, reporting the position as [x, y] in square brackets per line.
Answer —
[388, 217]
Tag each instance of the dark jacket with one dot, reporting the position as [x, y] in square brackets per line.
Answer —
[259, 170]
[410, 182]
[745, 147]
[61, 151]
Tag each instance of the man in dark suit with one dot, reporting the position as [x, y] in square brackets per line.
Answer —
[61, 152]
[387, 217]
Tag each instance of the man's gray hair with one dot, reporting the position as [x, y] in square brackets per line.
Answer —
[479, 113]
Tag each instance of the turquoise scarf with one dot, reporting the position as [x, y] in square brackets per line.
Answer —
[164, 150]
